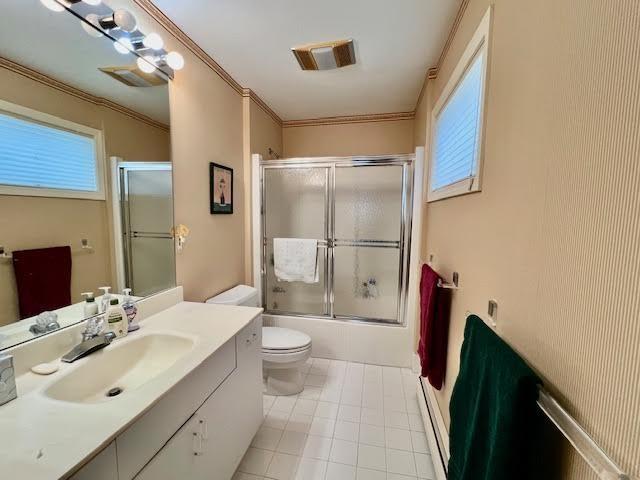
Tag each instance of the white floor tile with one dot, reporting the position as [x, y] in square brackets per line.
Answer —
[351, 396]
[311, 469]
[396, 420]
[317, 447]
[256, 461]
[398, 439]
[372, 416]
[400, 462]
[337, 471]
[415, 422]
[395, 403]
[305, 406]
[322, 426]
[419, 442]
[299, 423]
[245, 476]
[366, 474]
[284, 404]
[327, 410]
[344, 452]
[321, 362]
[412, 404]
[292, 443]
[282, 467]
[424, 466]
[267, 401]
[267, 438]
[312, 393]
[330, 395]
[395, 476]
[372, 435]
[375, 401]
[349, 413]
[315, 380]
[276, 420]
[346, 431]
[372, 457]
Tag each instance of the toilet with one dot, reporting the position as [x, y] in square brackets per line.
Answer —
[284, 350]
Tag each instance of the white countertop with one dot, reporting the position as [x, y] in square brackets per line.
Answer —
[42, 438]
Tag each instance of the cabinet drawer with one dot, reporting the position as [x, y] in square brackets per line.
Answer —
[103, 466]
[138, 444]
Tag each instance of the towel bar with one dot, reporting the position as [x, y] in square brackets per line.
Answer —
[84, 248]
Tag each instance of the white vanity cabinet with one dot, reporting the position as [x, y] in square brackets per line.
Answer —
[201, 428]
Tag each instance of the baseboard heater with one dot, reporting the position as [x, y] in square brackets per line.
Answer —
[435, 428]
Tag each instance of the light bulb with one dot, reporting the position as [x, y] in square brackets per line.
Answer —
[93, 19]
[124, 20]
[147, 64]
[123, 45]
[92, 2]
[52, 5]
[175, 60]
[154, 41]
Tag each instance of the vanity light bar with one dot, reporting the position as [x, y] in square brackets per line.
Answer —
[117, 26]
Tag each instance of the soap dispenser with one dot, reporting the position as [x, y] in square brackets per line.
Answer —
[130, 309]
[116, 319]
[90, 305]
[106, 299]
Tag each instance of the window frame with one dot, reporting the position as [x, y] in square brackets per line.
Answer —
[479, 44]
[52, 121]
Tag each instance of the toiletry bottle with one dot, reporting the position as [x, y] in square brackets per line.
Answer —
[8, 390]
[130, 309]
[90, 305]
[106, 298]
[117, 319]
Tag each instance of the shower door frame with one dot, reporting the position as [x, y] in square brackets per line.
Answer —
[406, 161]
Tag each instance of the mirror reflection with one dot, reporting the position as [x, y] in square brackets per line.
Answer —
[85, 173]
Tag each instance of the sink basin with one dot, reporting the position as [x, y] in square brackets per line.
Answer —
[120, 368]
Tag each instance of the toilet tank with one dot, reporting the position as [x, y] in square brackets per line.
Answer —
[238, 295]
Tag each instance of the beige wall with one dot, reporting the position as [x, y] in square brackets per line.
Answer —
[206, 126]
[34, 222]
[554, 234]
[367, 138]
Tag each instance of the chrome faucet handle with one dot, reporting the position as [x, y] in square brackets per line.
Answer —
[93, 327]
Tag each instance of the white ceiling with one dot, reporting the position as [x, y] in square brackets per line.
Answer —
[55, 44]
[396, 42]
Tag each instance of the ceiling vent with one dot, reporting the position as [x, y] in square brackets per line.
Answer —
[133, 76]
[325, 56]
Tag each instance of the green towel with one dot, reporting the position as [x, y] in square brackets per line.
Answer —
[495, 422]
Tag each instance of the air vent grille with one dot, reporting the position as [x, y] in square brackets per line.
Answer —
[325, 56]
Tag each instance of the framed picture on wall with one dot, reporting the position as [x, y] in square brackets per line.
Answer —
[220, 188]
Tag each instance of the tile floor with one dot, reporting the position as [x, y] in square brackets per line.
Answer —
[352, 422]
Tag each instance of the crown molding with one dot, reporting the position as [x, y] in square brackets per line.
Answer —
[370, 118]
[432, 73]
[76, 92]
[248, 93]
[158, 15]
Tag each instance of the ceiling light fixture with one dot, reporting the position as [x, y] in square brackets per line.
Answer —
[147, 63]
[153, 41]
[123, 45]
[53, 5]
[120, 19]
[174, 60]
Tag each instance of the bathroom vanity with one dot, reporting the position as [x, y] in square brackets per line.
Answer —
[189, 405]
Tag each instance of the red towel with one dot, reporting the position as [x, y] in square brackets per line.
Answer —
[434, 327]
[43, 278]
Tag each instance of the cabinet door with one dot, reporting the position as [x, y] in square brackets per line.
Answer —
[181, 457]
[103, 466]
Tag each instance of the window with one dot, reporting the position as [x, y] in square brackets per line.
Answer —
[42, 155]
[457, 123]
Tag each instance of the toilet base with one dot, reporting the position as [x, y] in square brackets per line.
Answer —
[283, 381]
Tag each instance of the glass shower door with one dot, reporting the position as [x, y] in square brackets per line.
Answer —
[295, 203]
[369, 229]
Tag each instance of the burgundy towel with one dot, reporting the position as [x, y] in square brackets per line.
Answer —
[434, 327]
[43, 278]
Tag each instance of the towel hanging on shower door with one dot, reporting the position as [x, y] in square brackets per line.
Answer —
[296, 260]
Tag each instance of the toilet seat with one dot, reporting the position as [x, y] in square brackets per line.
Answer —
[278, 340]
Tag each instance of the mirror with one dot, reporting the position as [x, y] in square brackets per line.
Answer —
[85, 168]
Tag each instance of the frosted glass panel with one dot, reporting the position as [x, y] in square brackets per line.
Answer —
[150, 201]
[366, 282]
[295, 297]
[368, 203]
[295, 201]
[153, 265]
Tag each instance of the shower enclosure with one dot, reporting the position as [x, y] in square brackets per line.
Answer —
[358, 209]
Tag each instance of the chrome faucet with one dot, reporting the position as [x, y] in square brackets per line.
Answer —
[89, 346]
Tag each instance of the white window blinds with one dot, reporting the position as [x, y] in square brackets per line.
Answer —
[42, 156]
[458, 130]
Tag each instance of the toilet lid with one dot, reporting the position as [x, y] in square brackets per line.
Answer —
[277, 338]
